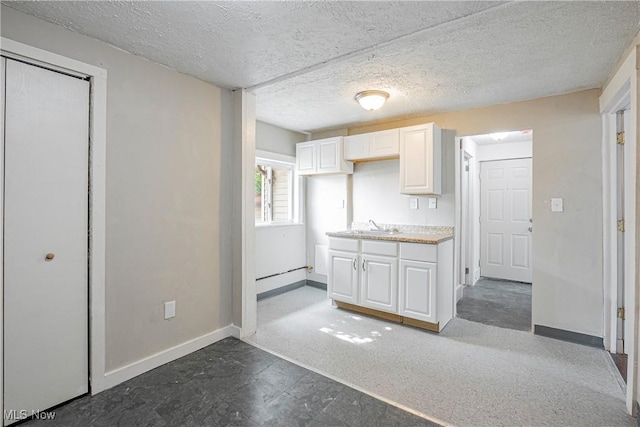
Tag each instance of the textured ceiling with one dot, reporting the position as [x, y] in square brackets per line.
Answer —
[306, 60]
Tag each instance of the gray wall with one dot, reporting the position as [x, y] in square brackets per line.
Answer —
[168, 199]
[276, 139]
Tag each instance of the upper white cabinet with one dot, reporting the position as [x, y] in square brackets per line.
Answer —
[421, 159]
[323, 156]
[306, 157]
[374, 145]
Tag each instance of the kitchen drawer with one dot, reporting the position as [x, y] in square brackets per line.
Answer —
[419, 252]
[374, 247]
[338, 244]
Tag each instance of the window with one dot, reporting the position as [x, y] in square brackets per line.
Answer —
[274, 192]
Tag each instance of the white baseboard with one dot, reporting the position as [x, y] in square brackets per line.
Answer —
[120, 375]
[459, 292]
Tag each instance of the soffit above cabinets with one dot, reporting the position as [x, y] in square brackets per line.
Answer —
[306, 60]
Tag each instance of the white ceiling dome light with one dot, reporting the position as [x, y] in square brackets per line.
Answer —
[371, 99]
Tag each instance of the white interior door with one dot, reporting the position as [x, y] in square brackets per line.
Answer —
[45, 239]
[505, 219]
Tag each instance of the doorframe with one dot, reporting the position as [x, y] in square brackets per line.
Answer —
[97, 190]
[466, 230]
[620, 92]
[459, 151]
[244, 281]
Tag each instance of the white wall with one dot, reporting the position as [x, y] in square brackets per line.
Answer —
[282, 247]
[567, 247]
[327, 209]
[278, 249]
[376, 193]
[502, 151]
[166, 197]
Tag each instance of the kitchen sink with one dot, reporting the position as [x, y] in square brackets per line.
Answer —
[352, 232]
[391, 231]
[375, 232]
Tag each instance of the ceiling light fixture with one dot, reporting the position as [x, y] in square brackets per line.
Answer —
[371, 99]
[499, 136]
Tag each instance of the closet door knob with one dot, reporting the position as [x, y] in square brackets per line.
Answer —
[49, 257]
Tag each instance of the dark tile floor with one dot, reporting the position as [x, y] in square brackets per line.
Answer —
[497, 303]
[230, 383]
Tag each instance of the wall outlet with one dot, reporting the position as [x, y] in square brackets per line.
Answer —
[433, 203]
[413, 203]
[169, 309]
[557, 205]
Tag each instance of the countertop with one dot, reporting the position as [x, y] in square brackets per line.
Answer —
[409, 237]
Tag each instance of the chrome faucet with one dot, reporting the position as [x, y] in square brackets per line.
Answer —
[372, 222]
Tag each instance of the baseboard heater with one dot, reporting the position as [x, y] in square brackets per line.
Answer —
[306, 267]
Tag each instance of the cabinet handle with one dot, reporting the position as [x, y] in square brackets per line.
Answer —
[354, 264]
[363, 269]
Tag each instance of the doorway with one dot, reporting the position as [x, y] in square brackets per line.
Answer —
[621, 330]
[46, 353]
[496, 228]
[618, 106]
[57, 258]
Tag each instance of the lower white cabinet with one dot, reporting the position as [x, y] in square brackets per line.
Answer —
[412, 280]
[379, 282]
[343, 276]
[418, 290]
[364, 274]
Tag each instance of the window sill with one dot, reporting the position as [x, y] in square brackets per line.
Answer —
[280, 224]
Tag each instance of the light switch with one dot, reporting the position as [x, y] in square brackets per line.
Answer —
[433, 203]
[557, 205]
[413, 203]
[169, 309]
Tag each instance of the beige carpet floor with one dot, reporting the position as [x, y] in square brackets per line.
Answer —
[468, 375]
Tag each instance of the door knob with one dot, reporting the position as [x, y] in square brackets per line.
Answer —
[49, 257]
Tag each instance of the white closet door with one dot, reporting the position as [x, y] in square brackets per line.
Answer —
[505, 220]
[46, 216]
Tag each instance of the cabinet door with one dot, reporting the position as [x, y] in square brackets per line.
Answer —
[385, 144]
[379, 283]
[329, 155]
[343, 276]
[306, 158]
[417, 297]
[356, 147]
[420, 159]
